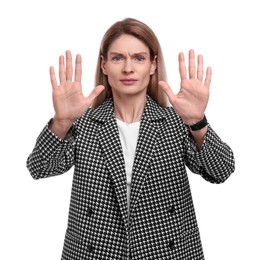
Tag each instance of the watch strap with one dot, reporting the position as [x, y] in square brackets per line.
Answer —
[199, 125]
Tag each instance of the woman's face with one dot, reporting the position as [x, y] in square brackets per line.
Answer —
[128, 66]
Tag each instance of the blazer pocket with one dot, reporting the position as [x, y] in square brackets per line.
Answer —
[74, 246]
[73, 236]
[190, 232]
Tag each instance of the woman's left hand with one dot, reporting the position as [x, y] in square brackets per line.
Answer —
[191, 101]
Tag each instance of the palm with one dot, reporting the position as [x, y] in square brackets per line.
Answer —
[192, 99]
[68, 100]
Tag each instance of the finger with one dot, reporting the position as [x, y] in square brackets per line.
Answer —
[78, 68]
[53, 79]
[182, 67]
[166, 88]
[62, 69]
[192, 68]
[96, 91]
[200, 71]
[68, 65]
[208, 77]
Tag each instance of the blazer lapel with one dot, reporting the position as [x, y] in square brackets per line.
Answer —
[109, 139]
[110, 142]
[148, 134]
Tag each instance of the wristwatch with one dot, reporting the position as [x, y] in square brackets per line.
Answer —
[199, 125]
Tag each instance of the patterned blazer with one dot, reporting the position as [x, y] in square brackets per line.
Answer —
[162, 223]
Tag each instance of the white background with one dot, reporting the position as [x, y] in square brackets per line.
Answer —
[229, 34]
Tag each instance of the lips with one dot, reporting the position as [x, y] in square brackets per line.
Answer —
[128, 81]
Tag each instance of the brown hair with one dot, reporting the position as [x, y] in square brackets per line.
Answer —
[145, 34]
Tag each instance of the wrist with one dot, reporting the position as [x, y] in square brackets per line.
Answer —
[60, 127]
[199, 136]
[198, 125]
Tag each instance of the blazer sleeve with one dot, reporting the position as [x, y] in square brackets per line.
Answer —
[214, 162]
[51, 155]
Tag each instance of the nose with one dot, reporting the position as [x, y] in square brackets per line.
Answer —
[128, 66]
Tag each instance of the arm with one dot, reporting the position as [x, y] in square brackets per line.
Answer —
[206, 155]
[54, 150]
[214, 161]
[198, 136]
[51, 155]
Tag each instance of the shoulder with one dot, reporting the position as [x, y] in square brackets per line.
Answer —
[172, 118]
[97, 115]
[167, 117]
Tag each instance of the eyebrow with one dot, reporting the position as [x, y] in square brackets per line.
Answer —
[133, 54]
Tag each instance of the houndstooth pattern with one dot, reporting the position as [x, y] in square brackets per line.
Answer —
[162, 223]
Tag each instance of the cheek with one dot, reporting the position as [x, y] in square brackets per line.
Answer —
[147, 74]
[112, 71]
[112, 78]
[111, 74]
[145, 80]
[147, 71]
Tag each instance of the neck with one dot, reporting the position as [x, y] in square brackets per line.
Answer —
[129, 109]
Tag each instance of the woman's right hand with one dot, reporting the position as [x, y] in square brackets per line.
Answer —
[68, 100]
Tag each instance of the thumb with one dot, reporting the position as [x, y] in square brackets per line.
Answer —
[95, 92]
[166, 88]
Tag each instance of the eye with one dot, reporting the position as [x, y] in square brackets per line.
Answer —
[117, 58]
[139, 58]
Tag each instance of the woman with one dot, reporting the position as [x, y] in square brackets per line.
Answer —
[130, 196]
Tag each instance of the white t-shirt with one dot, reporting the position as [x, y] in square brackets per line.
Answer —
[128, 136]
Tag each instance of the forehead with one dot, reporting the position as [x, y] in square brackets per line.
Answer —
[128, 44]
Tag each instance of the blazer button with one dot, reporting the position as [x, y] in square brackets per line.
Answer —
[171, 244]
[89, 212]
[90, 248]
[172, 209]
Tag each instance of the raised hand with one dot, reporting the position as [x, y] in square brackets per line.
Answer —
[192, 99]
[68, 100]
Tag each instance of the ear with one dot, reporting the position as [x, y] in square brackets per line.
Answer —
[153, 66]
[103, 67]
